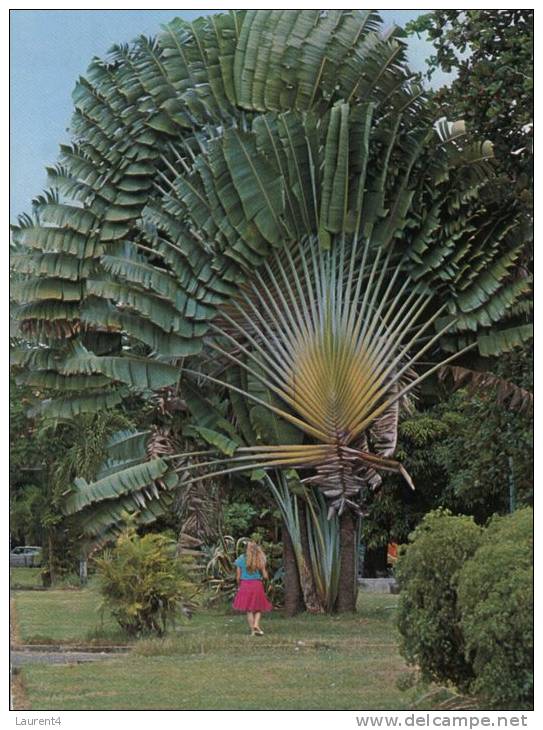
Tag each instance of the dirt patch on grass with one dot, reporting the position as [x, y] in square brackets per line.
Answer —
[13, 626]
[18, 698]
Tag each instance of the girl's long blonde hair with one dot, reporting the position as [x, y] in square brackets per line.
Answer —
[255, 558]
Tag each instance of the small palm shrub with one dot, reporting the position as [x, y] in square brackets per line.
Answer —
[220, 578]
[495, 598]
[143, 584]
[429, 615]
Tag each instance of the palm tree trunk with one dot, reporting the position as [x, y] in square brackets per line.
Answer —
[293, 593]
[348, 583]
[312, 600]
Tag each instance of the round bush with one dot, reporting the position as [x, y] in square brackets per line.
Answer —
[143, 584]
[429, 617]
[495, 598]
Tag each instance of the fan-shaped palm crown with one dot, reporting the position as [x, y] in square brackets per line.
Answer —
[267, 186]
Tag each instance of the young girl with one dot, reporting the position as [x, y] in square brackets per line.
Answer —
[250, 569]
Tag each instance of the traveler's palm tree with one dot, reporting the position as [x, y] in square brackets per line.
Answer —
[262, 203]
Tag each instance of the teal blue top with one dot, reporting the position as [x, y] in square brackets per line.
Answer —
[245, 575]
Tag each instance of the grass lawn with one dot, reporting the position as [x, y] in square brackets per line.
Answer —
[305, 663]
[63, 615]
[25, 578]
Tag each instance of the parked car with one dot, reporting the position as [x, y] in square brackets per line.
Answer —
[25, 556]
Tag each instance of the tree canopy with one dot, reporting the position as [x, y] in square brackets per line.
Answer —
[491, 52]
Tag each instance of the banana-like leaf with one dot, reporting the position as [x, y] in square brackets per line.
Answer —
[48, 310]
[43, 358]
[128, 481]
[507, 393]
[72, 406]
[127, 445]
[102, 522]
[57, 240]
[224, 444]
[103, 314]
[205, 413]
[504, 340]
[51, 380]
[56, 265]
[257, 183]
[236, 377]
[157, 310]
[137, 372]
[40, 289]
[335, 184]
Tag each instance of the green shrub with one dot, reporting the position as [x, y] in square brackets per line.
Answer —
[429, 617]
[238, 518]
[495, 597]
[143, 584]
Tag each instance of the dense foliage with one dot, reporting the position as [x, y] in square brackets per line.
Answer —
[496, 602]
[429, 615]
[27, 453]
[466, 606]
[143, 584]
[238, 518]
[467, 451]
[491, 52]
[46, 456]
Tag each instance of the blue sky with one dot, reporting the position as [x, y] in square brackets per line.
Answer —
[50, 48]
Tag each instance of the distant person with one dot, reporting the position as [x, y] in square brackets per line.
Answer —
[250, 570]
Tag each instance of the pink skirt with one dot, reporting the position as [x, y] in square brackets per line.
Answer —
[251, 597]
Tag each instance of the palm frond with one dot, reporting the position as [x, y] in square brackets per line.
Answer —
[506, 393]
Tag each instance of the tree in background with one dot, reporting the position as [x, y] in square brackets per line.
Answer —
[27, 463]
[46, 456]
[491, 52]
[495, 436]
[469, 451]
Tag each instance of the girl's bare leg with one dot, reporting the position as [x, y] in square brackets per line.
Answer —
[256, 624]
[251, 619]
